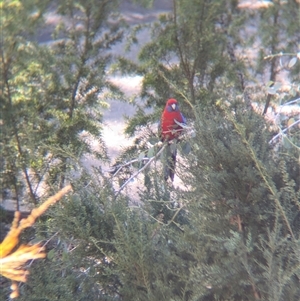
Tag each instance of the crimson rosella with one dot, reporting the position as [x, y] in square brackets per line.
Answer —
[171, 129]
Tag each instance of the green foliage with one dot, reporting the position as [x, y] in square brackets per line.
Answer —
[79, 262]
[277, 23]
[20, 89]
[278, 33]
[53, 94]
[231, 234]
[228, 231]
[238, 187]
[190, 54]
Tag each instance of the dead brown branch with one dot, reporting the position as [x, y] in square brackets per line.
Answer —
[14, 257]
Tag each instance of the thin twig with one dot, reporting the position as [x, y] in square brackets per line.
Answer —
[116, 169]
[43, 246]
[140, 170]
[290, 102]
[283, 131]
[279, 55]
[174, 216]
[264, 175]
[286, 129]
[176, 89]
[120, 166]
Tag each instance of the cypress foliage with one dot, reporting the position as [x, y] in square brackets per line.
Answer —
[233, 235]
[232, 231]
[191, 55]
[229, 232]
[51, 93]
[80, 235]
[244, 211]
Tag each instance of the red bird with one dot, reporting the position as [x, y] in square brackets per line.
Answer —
[170, 129]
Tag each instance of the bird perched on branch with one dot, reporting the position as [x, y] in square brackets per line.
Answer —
[171, 127]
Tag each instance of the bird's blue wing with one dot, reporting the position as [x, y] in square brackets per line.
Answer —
[159, 126]
[183, 118]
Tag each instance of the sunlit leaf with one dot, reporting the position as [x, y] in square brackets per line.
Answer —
[292, 62]
[51, 254]
[196, 146]
[291, 121]
[286, 142]
[274, 88]
[272, 91]
[150, 152]
[141, 156]
[153, 140]
[292, 92]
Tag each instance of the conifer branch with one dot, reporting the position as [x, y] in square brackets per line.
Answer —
[107, 257]
[177, 90]
[185, 65]
[263, 174]
[117, 168]
[140, 170]
[185, 98]
[15, 130]
[247, 267]
[281, 133]
[174, 216]
[12, 261]
[151, 216]
[271, 56]
[172, 220]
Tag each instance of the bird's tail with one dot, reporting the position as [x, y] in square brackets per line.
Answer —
[169, 170]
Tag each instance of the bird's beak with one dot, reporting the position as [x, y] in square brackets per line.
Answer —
[173, 105]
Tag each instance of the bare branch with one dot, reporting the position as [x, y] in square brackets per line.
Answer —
[116, 169]
[283, 131]
[141, 169]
